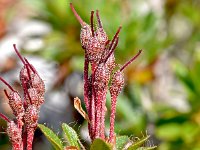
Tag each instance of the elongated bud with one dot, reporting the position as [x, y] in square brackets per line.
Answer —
[15, 100]
[102, 77]
[31, 116]
[111, 63]
[14, 134]
[36, 99]
[86, 32]
[16, 103]
[94, 50]
[85, 35]
[117, 83]
[38, 84]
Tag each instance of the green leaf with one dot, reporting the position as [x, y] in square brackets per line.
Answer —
[146, 148]
[99, 144]
[121, 141]
[52, 137]
[71, 135]
[138, 143]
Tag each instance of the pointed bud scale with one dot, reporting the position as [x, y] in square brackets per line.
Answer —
[31, 116]
[86, 32]
[117, 83]
[100, 33]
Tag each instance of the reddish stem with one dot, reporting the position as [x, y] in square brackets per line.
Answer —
[112, 118]
[30, 136]
[112, 49]
[4, 117]
[115, 36]
[103, 113]
[28, 71]
[6, 83]
[98, 19]
[6, 93]
[31, 67]
[92, 104]
[99, 97]
[26, 91]
[76, 15]
[92, 22]
[86, 84]
[130, 61]
[18, 54]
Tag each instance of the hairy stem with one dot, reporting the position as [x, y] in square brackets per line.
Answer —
[99, 97]
[30, 136]
[93, 104]
[112, 119]
[103, 114]
[86, 83]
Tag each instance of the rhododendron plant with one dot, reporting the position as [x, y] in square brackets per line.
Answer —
[106, 75]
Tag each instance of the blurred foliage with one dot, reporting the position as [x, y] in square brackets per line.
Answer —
[171, 27]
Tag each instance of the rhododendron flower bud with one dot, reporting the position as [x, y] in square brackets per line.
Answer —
[102, 77]
[16, 103]
[117, 83]
[15, 136]
[31, 116]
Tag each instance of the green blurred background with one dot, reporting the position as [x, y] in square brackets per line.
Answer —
[161, 95]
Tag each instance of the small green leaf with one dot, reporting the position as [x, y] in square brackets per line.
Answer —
[52, 137]
[146, 148]
[71, 135]
[138, 143]
[121, 141]
[99, 144]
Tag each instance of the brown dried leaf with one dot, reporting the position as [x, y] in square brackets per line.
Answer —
[77, 106]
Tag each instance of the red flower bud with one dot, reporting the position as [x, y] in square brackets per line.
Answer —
[36, 99]
[117, 83]
[16, 103]
[94, 50]
[31, 116]
[102, 76]
[14, 134]
[38, 84]
[85, 35]
[15, 100]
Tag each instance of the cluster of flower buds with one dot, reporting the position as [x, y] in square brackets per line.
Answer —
[99, 53]
[26, 109]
